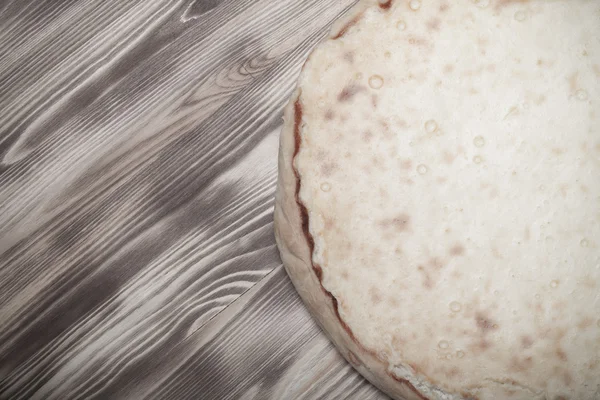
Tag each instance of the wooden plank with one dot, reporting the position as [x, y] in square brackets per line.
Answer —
[138, 149]
[264, 346]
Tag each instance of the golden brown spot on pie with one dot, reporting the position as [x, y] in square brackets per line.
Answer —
[329, 115]
[585, 323]
[481, 346]
[521, 365]
[560, 353]
[567, 378]
[573, 85]
[558, 151]
[375, 295]
[367, 136]
[496, 253]
[484, 323]
[328, 168]
[473, 72]
[454, 372]
[384, 124]
[444, 7]
[488, 288]
[392, 301]
[434, 24]
[449, 68]
[540, 100]
[349, 92]
[436, 263]
[449, 157]
[401, 222]
[457, 250]
[328, 223]
[526, 342]
[417, 41]
[589, 282]
[584, 188]
[321, 155]
[383, 193]
[406, 164]
[377, 163]
[427, 281]
[385, 4]
[349, 57]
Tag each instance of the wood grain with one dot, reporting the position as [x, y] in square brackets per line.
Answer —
[138, 144]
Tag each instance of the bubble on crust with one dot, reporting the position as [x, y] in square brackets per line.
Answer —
[479, 141]
[554, 284]
[520, 16]
[549, 239]
[460, 354]
[401, 25]
[477, 159]
[376, 81]
[581, 95]
[481, 3]
[443, 344]
[584, 243]
[455, 306]
[537, 296]
[325, 186]
[358, 76]
[422, 169]
[448, 356]
[431, 126]
[415, 4]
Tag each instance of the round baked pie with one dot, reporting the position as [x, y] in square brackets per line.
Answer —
[438, 202]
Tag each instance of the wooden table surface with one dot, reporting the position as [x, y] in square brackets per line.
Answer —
[138, 144]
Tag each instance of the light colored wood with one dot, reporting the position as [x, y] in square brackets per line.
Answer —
[138, 144]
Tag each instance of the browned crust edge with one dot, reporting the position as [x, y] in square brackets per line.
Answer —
[384, 5]
[317, 269]
[347, 27]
